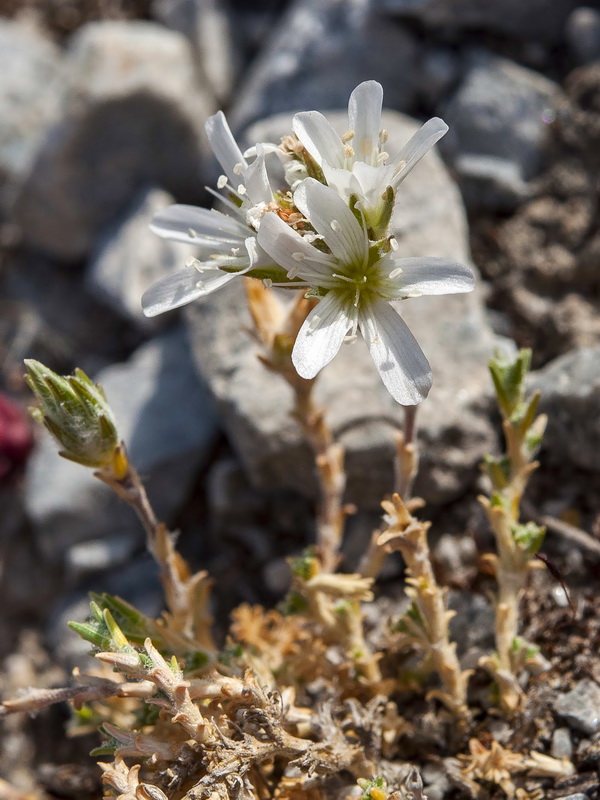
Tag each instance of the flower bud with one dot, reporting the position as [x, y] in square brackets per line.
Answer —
[75, 411]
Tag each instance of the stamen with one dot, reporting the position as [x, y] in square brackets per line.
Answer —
[342, 277]
[235, 251]
[298, 256]
[201, 285]
[335, 225]
[395, 273]
[400, 166]
[383, 136]
[394, 243]
[376, 340]
[193, 262]
[348, 136]
[382, 158]
[356, 297]
[238, 168]
[350, 338]
[267, 283]
[192, 233]
[241, 189]
[348, 151]
[222, 182]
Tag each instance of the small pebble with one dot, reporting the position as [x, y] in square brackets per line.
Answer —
[562, 746]
[580, 708]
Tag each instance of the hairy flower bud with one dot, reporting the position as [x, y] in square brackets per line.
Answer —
[77, 414]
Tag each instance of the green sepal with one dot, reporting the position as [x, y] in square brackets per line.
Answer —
[358, 214]
[75, 412]
[380, 224]
[313, 170]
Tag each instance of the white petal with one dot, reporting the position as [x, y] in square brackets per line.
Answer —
[225, 148]
[373, 182]
[364, 117]
[400, 361]
[321, 336]
[183, 287]
[342, 180]
[319, 138]
[288, 249]
[331, 217]
[433, 276]
[258, 257]
[256, 180]
[420, 144]
[178, 221]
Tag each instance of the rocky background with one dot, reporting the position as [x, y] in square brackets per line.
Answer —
[102, 108]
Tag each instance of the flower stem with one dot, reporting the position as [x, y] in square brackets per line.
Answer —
[516, 543]
[186, 594]
[427, 625]
[329, 460]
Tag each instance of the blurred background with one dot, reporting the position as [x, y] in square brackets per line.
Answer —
[102, 112]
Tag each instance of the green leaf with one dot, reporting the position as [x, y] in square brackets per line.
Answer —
[92, 632]
[498, 471]
[509, 381]
[304, 566]
[529, 536]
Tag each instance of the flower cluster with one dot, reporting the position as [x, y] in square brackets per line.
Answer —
[326, 234]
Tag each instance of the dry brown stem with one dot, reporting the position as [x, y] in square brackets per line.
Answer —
[186, 594]
[329, 460]
[428, 629]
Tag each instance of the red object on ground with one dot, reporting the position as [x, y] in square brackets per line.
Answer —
[16, 437]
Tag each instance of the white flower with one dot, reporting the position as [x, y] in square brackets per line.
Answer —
[357, 162]
[226, 243]
[356, 283]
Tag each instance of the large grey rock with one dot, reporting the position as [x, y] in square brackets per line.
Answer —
[30, 91]
[537, 20]
[207, 24]
[50, 315]
[498, 118]
[168, 424]
[454, 428]
[319, 52]
[580, 708]
[133, 115]
[570, 388]
[129, 258]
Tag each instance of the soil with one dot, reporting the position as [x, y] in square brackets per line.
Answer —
[542, 261]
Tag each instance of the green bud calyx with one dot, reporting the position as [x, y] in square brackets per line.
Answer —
[77, 414]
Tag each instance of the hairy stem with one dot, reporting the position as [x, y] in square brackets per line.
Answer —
[329, 460]
[427, 627]
[186, 595]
